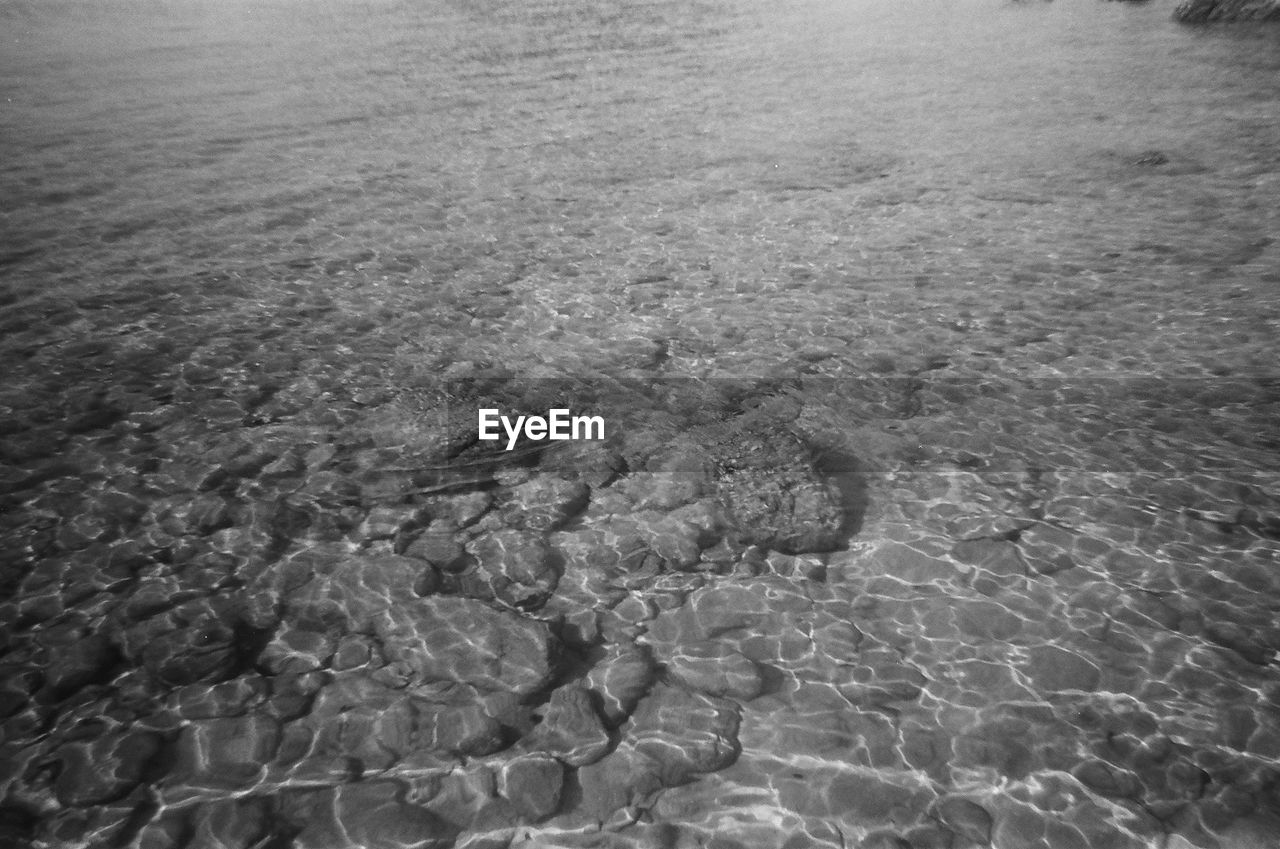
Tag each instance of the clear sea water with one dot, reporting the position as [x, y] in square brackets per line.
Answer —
[1019, 258]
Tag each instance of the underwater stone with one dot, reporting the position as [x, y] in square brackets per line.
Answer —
[1107, 780]
[104, 769]
[88, 659]
[532, 784]
[625, 778]
[544, 504]
[620, 679]
[968, 819]
[774, 495]
[518, 566]
[385, 522]
[461, 639]
[716, 669]
[297, 650]
[1052, 669]
[871, 798]
[232, 822]
[1212, 11]
[196, 641]
[227, 752]
[685, 733]
[367, 813]
[439, 546]
[570, 728]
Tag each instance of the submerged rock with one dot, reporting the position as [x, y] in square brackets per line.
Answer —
[716, 669]
[518, 567]
[774, 494]
[104, 769]
[369, 813]
[460, 639]
[967, 818]
[532, 785]
[200, 640]
[1210, 11]
[685, 733]
[571, 729]
[620, 679]
[228, 753]
[543, 504]
[626, 778]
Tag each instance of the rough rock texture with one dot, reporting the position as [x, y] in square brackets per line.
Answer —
[619, 679]
[459, 639]
[533, 785]
[518, 567]
[374, 813]
[571, 729]
[650, 645]
[103, 769]
[1210, 11]
[685, 733]
[765, 476]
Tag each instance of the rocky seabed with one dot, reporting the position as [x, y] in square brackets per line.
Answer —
[292, 639]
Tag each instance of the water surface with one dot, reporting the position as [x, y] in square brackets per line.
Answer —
[937, 340]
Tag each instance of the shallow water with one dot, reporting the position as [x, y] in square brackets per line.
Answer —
[935, 344]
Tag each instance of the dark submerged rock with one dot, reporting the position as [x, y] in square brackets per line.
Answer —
[104, 769]
[1213, 11]
[774, 494]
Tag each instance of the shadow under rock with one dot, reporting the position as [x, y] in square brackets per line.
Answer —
[848, 475]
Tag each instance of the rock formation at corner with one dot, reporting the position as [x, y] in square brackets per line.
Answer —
[1210, 11]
